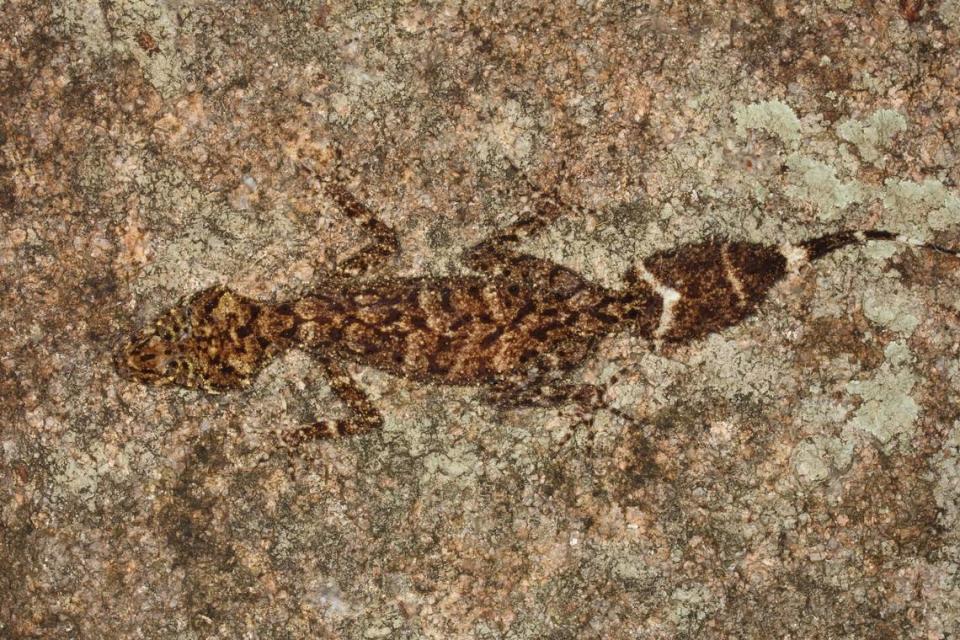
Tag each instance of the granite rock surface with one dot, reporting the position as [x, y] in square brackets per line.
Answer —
[796, 476]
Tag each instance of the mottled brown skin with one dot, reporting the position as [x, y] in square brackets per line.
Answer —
[519, 326]
[709, 300]
[455, 330]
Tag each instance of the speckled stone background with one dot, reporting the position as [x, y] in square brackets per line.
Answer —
[797, 476]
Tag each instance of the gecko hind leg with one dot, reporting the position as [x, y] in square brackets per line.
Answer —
[364, 416]
[382, 244]
[494, 254]
[587, 398]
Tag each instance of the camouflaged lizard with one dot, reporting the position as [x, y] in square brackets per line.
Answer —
[518, 327]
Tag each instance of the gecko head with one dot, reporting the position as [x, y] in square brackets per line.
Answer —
[159, 353]
[206, 341]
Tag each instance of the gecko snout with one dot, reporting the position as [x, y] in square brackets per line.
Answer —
[146, 360]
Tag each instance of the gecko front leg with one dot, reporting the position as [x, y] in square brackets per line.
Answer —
[493, 254]
[364, 415]
[382, 243]
[500, 255]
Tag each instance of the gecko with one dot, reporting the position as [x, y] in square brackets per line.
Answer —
[518, 325]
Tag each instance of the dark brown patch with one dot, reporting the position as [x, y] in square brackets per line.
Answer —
[819, 247]
[211, 304]
[445, 303]
[605, 318]
[392, 316]
[443, 343]
[757, 267]
[290, 333]
[461, 322]
[708, 301]
[491, 337]
[436, 369]
[540, 333]
[523, 312]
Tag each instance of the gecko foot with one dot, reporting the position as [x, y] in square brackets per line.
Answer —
[330, 429]
[588, 400]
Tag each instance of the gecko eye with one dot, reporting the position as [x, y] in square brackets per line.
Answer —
[172, 371]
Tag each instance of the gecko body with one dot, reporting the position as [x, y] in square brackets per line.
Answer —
[519, 326]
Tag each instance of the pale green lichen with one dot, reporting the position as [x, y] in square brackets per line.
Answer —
[927, 203]
[880, 250]
[874, 134]
[888, 411]
[893, 307]
[817, 183]
[86, 21]
[819, 407]
[198, 238]
[816, 458]
[911, 207]
[771, 116]
[601, 249]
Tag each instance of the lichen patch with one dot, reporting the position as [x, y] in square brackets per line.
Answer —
[888, 412]
[772, 116]
[873, 135]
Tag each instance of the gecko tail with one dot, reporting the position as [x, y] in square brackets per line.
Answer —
[816, 248]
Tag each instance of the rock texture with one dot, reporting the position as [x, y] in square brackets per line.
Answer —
[796, 476]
